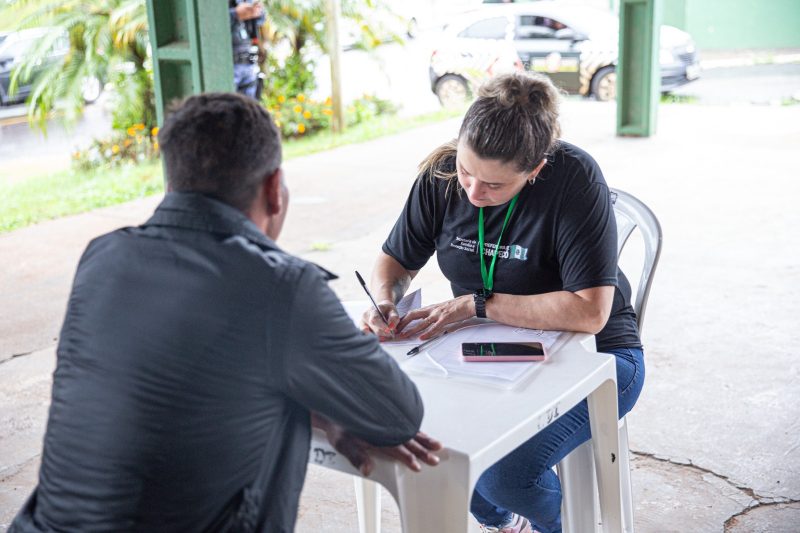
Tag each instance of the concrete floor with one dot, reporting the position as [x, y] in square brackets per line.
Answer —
[716, 433]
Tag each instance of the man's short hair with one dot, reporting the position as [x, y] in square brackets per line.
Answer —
[220, 144]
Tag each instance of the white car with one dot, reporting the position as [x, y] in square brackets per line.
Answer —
[575, 45]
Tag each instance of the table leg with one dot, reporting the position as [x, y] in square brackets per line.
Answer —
[437, 498]
[605, 442]
[368, 503]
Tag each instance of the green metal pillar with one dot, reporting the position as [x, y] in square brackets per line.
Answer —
[638, 72]
[191, 46]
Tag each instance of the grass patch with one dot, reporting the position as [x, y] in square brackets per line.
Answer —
[68, 192]
[670, 98]
[366, 131]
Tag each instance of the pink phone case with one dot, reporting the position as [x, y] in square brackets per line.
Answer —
[503, 358]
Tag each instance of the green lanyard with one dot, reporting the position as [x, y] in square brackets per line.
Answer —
[488, 277]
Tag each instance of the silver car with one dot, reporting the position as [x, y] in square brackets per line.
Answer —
[576, 46]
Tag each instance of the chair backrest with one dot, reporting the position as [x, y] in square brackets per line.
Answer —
[632, 213]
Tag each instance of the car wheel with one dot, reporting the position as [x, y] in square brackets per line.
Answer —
[452, 91]
[91, 88]
[604, 84]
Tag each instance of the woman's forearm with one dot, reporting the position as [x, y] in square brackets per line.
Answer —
[586, 310]
[390, 280]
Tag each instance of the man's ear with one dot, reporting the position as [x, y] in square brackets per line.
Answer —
[272, 192]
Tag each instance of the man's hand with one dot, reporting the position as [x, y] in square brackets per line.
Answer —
[358, 451]
[247, 11]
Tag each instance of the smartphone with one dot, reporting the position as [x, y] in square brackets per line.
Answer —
[503, 351]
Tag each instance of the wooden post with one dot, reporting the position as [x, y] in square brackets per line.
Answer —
[333, 10]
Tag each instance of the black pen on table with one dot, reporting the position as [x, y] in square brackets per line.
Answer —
[416, 349]
[378, 309]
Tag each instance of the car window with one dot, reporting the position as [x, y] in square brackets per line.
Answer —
[493, 28]
[536, 27]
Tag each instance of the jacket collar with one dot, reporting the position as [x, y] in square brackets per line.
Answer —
[191, 210]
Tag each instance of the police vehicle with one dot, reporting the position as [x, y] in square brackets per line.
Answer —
[575, 45]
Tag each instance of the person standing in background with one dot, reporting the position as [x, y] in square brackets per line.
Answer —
[246, 18]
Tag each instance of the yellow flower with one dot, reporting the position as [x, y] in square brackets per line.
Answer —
[115, 149]
[278, 123]
[328, 112]
[298, 108]
[306, 114]
[154, 131]
[281, 98]
[126, 143]
[155, 145]
[139, 126]
[131, 131]
[301, 98]
[301, 128]
[329, 101]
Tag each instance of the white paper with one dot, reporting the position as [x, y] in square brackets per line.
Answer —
[444, 359]
[410, 301]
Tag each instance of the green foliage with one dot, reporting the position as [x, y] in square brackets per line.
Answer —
[134, 99]
[670, 98]
[367, 108]
[69, 192]
[109, 41]
[65, 193]
[138, 144]
[294, 77]
[300, 116]
[301, 25]
[104, 36]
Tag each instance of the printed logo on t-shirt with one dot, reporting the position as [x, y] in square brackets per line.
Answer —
[513, 251]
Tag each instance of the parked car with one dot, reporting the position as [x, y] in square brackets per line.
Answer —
[13, 48]
[575, 45]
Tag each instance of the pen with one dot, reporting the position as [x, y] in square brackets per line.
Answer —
[361, 281]
[416, 349]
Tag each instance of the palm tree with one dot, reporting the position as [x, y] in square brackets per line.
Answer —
[302, 23]
[109, 41]
[104, 35]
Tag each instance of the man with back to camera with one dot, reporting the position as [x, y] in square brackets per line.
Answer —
[194, 352]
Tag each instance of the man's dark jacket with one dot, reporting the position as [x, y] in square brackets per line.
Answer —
[191, 353]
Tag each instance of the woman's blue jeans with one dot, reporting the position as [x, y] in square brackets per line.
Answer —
[523, 481]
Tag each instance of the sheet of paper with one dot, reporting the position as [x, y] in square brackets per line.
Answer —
[410, 301]
[444, 358]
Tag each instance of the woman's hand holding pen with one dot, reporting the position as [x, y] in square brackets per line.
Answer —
[434, 319]
[372, 322]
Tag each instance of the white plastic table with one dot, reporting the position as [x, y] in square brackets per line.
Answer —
[478, 425]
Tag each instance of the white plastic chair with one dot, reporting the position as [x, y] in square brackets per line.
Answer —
[580, 507]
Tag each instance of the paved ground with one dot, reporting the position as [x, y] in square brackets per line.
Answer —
[715, 433]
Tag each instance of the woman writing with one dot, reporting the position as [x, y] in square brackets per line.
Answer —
[523, 228]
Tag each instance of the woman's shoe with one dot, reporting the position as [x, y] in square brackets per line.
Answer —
[518, 524]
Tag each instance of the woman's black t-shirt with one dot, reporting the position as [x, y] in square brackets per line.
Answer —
[561, 236]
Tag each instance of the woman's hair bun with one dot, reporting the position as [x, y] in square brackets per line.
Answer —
[525, 89]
